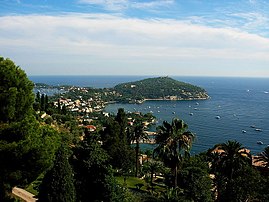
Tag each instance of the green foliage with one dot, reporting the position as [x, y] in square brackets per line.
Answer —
[161, 87]
[58, 182]
[244, 186]
[27, 150]
[229, 158]
[231, 165]
[152, 167]
[195, 181]
[16, 96]
[137, 134]
[92, 172]
[114, 140]
[174, 143]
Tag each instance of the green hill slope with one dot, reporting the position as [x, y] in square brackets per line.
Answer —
[161, 88]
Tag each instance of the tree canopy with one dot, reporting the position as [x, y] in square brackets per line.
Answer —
[16, 96]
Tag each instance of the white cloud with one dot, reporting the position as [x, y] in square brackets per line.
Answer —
[116, 5]
[152, 4]
[107, 43]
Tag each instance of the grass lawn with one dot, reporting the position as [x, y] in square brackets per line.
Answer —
[132, 182]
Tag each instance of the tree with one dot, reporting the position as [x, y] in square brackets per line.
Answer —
[122, 120]
[93, 176]
[37, 102]
[136, 136]
[42, 104]
[121, 154]
[58, 182]
[152, 167]
[174, 143]
[27, 149]
[16, 95]
[246, 185]
[232, 157]
[228, 160]
[195, 181]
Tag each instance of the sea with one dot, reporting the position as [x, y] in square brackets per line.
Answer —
[238, 108]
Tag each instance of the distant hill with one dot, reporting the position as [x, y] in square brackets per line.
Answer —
[161, 88]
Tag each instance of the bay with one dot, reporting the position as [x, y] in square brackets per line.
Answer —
[239, 102]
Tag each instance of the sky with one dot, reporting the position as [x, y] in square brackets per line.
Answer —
[135, 37]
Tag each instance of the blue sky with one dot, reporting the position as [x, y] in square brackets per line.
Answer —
[128, 37]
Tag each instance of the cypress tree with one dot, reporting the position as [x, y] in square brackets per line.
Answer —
[58, 182]
[42, 102]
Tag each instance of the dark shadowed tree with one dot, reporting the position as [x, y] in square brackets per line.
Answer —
[195, 181]
[174, 143]
[58, 182]
[121, 154]
[152, 167]
[121, 118]
[42, 102]
[92, 172]
[137, 134]
[228, 160]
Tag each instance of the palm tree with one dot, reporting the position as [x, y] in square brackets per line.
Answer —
[228, 160]
[174, 143]
[264, 157]
[137, 135]
[152, 167]
[232, 156]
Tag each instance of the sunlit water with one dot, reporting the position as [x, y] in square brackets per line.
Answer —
[239, 102]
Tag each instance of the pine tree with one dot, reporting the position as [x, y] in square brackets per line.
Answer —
[58, 183]
[16, 95]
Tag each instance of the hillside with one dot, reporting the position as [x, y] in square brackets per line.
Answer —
[161, 88]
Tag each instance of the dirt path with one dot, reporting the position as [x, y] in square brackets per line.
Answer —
[24, 195]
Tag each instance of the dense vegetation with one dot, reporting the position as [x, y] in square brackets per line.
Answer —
[160, 88]
[64, 162]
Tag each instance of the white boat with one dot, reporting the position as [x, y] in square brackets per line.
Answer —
[260, 142]
[191, 114]
[173, 112]
[266, 92]
[244, 131]
[258, 129]
[217, 117]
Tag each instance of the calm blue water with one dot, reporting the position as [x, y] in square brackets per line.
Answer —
[240, 103]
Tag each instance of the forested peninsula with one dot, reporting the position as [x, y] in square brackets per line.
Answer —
[160, 88]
